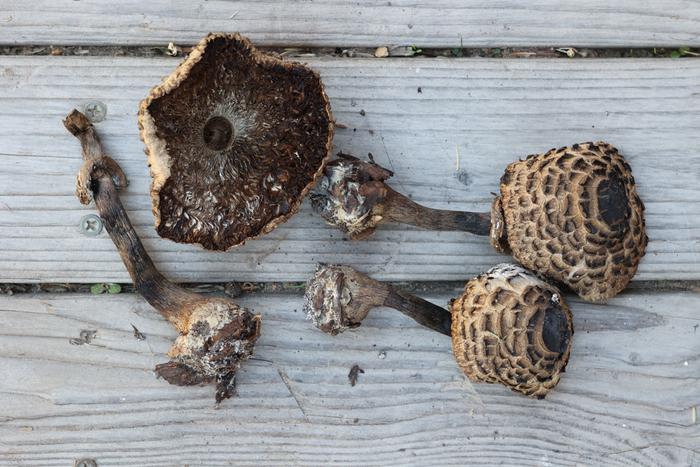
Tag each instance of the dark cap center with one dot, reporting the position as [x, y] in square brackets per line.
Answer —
[612, 201]
[555, 330]
[217, 133]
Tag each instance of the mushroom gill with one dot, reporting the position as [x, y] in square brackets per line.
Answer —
[235, 138]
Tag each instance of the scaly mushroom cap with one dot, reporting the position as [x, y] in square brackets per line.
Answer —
[217, 337]
[573, 215]
[350, 195]
[338, 297]
[510, 327]
[235, 139]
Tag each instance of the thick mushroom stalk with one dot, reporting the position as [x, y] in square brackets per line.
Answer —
[571, 214]
[216, 334]
[507, 327]
[353, 196]
[339, 297]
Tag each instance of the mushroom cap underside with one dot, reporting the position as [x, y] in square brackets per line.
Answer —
[235, 138]
[512, 328]
[573, 215]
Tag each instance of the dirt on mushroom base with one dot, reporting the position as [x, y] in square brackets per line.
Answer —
[219, 337]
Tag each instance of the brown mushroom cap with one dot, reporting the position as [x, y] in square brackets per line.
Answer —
[235, 139]
[510, 327]
[573, 215]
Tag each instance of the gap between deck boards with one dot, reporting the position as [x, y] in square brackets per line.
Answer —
[176, 50]
[236, 289]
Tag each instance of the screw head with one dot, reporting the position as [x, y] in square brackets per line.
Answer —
[91, 225]
[85, 463]
[95, 111]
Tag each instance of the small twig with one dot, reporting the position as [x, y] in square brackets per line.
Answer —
[86, 337]
[287, 382]
[354, 374]
[138, 334]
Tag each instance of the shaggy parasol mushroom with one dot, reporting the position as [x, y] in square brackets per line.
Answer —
[571, 214]
[235, 139]
[507, 327]
[216, 334]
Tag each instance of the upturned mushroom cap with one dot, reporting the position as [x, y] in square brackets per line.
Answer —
[339, 297]
[235, 138]
[573, 215]
[510, 327]
[350, 195]
[215, 339]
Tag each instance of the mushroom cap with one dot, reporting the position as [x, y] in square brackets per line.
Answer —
[573, 215]
[235, 139]
[350, 195]
[218, 336]
[339, 297]
[512, 328]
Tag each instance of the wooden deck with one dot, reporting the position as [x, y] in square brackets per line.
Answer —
[448, 146]
[343, 23]
[627, 397]
[447, 127]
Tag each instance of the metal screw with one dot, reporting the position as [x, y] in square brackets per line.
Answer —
[91, 225]
[85, 463]
[95, 111]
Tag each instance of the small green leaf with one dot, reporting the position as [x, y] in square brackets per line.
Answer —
[114, 288]
[98, 289]
[675, 54]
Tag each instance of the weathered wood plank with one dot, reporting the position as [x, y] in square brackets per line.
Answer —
[344, 23]
[627, 397]
[447, 128]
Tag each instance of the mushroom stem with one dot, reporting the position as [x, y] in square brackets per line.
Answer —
[353, 195]
[339, 297]
[166, 297]
[169, 299]
[401, 209]
[216, 334]
[422, 311]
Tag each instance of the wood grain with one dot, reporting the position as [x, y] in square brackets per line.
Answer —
[345, 23]
[447, 128]
[626, 398]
